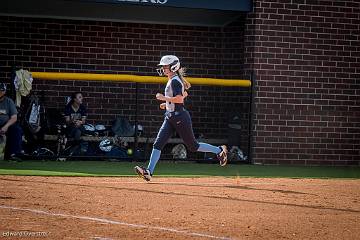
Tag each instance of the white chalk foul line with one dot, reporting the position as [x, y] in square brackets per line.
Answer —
[103, 220]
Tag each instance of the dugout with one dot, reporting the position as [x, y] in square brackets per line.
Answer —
[128, 37]
[172, 12]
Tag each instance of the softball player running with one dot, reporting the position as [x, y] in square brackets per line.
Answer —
[176, 117]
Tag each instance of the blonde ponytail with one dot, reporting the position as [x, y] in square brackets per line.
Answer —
[182, 73]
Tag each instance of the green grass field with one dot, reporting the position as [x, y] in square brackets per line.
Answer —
[171, 169]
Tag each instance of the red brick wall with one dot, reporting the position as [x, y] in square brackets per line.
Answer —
[306, 56]
[108, 47]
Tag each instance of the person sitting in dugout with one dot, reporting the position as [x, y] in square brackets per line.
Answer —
[9, 126]
[75, 116]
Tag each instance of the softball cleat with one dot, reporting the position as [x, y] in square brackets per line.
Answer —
[222, 156]
[143, 173]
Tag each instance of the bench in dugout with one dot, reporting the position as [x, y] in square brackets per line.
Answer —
[141, 143]
[145, 142]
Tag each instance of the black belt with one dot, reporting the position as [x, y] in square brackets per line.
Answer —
[171, 114]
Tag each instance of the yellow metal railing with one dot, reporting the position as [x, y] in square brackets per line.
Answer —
[136, 78]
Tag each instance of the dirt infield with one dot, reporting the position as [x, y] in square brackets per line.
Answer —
[178, 208]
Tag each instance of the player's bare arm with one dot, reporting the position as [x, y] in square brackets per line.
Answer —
[176, 99]
[162, 106]
[11, 121]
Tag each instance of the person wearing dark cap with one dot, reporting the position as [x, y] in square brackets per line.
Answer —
[8, 126]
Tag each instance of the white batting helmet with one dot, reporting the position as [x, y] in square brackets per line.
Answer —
[105, 145]
[172, 61]
[89, 127]
[179, 151]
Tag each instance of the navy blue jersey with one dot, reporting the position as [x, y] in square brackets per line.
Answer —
[173, 88]
[75, 115]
